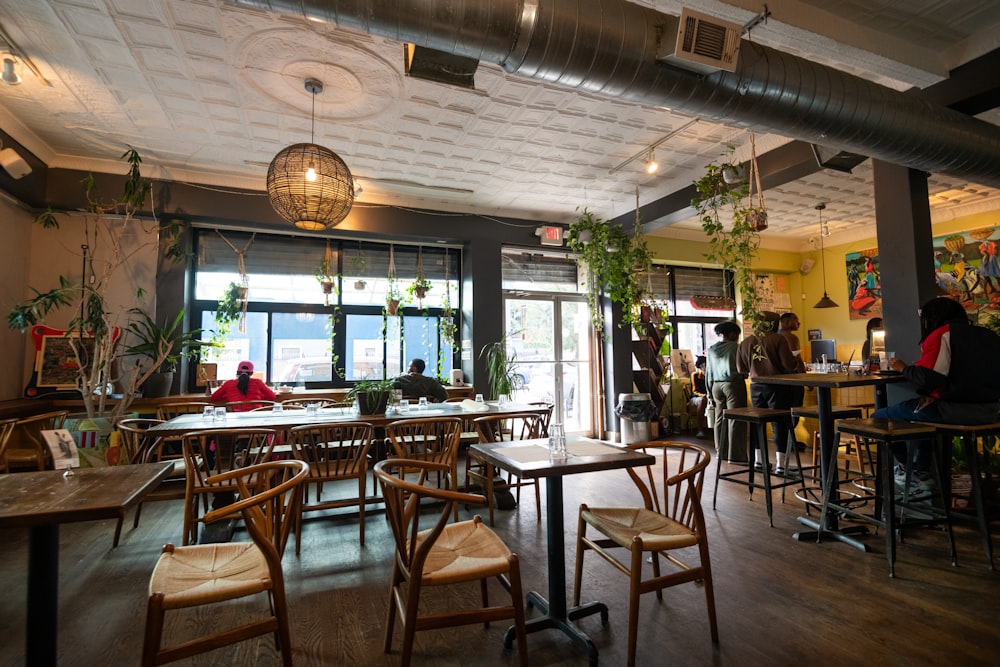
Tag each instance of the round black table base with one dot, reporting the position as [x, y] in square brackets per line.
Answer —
[549, 621]
[844, 535]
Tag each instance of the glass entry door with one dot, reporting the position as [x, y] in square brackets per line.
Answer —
[551, 336]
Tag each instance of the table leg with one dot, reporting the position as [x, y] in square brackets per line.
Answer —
[556, 615]
[828, 525]
[43, 595]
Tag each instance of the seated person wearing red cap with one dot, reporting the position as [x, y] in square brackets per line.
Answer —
[243, 388]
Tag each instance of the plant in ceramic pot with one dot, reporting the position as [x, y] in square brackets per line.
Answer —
[372, 395]
[326, 275]
[158, 349]
[614, 261]
[358, 267]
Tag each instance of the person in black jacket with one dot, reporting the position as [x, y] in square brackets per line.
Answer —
[957, 379]
[415, 384]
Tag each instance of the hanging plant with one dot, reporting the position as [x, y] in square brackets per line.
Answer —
[326, 275]
[358, 267]
[420, 286]
[449, 329]
[393, 293]
[733, 248]
[613, 261]
[756, 209]
[242, 290]
[231, 308]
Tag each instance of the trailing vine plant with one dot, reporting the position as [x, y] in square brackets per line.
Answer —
[613, 261]
[734, 248]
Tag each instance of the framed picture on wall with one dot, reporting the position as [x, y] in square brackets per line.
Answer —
[56, 362]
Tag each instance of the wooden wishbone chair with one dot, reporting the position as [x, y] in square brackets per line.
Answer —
[27, 446]
[670, 519]
[197, 575]
[429, 439]
[442, 554]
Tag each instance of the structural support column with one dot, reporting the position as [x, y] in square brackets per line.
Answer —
[906, 256]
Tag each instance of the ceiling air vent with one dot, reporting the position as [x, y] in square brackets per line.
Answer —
[701, 43]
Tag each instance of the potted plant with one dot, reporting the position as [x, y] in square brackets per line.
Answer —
[326, 275]
[159, 348]
[95, 318]
[393, 293]
[358, 266]
[230, 308]
[733, 248]
[501, 363]
[614, 261]
[418, 288]
[372, 395]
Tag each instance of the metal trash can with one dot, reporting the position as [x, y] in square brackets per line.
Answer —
[634, 412]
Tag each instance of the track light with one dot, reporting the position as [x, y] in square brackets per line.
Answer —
[10, 75]
[651, 165]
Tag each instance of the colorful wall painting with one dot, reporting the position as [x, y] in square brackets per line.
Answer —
[966, 268]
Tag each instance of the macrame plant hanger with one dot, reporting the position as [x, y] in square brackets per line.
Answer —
[756, 210]
[241, 268]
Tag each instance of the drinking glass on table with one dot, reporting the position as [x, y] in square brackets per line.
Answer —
[277, 407]
[422, 403]
[208, 412]
[312, 409]
[479, 398]
[219, 414]
[404, 405]
[557, 442]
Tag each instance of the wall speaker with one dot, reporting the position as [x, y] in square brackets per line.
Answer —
[807, 265]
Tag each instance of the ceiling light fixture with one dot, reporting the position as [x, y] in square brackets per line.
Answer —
[10, 75]
[826, 301]
[308, 185]
[647, 152]
[651, 165]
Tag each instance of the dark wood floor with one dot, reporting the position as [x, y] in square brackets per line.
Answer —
[779, 601]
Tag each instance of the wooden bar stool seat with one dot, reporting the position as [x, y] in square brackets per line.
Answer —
[885, 432]
[837, 412]
[758, 419]
[969, 436]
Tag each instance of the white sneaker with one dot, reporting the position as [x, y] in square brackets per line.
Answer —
[922, 485]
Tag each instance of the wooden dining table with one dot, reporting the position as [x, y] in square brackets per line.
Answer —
[530, 459]
[828, 526]
[42, 500]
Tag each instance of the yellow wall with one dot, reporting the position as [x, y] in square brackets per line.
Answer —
[806, 290]
[15, 249]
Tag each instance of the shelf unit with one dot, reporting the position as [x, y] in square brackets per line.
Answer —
[646, 351]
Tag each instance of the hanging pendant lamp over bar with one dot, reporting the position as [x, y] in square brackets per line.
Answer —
[826, 301]
[309, 185]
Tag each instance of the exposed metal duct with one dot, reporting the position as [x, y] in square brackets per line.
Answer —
[609, 47]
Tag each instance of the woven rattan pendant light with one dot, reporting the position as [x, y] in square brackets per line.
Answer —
[309, 185]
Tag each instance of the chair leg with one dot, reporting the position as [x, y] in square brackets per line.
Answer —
[635, 577]
[538, 500]
[937, 454]
[517, 601]
[154, 630]
[361, 507]
[972, 459]
[390, 616]
[581, 533]
[281, 633]
[885, 469]
[138, 513]
[706, 566]
[118, 529]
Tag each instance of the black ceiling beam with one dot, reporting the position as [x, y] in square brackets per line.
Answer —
[971, 88]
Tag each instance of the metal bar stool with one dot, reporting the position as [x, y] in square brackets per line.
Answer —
[969, 435]
[758, 419]
[885, 433]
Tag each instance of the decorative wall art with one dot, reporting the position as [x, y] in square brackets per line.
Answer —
[966, 269]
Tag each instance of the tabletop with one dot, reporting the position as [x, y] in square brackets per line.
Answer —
[289, 418]
[47, 496]
[830, 380]
[530, 458]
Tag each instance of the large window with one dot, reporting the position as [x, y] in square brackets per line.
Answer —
[296, 334]
[679, 287]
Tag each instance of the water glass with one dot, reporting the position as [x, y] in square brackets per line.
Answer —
[557, 442]
[404, 405]
[479, 398]
[504, 400]
[422, 403]
[312, 409]
[278, 407]
[219, 415]
[208, 412]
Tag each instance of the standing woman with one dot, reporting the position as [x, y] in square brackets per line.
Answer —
[243, 388]
[727, 389]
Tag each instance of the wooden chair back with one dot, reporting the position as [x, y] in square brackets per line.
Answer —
[6, 431]
[27, 438]
[167, 411]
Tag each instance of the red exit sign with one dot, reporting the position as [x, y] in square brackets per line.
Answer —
[550, 235]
